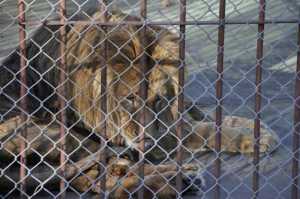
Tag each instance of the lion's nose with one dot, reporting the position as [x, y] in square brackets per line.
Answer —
[159, 104]
[148, 144]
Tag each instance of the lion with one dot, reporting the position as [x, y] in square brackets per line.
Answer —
[84, 62]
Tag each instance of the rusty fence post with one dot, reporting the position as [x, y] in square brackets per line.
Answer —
[62, 102]
[103, 104]
[219, 95]
[296, 133]
[143, 94]
[179, 129]
[23, 92]
[259, 60]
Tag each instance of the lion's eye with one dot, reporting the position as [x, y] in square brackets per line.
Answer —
[128, 103]
[130, 98]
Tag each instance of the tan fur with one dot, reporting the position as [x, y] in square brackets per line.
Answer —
[124, 77]
[84, 50]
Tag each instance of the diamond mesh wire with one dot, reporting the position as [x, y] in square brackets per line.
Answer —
[127, 125]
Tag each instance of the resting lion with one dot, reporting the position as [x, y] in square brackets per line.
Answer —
[84, 55]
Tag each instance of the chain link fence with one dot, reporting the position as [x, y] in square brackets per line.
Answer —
[149, 99]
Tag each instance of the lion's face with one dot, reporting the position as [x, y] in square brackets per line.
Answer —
[128, 106]
[125, 106]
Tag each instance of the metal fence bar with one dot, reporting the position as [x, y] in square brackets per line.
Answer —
[259, 57]
[219, 94]
[182, 10]
[167, 23]
[103, 105]
[143, 94]
[23, 91]
[62, 77]
[296, 134]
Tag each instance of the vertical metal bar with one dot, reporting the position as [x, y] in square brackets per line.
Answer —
[296, 135]
[259, 57]
[219, 94]
[143, 94]
[62, 77]
[103, 103]
[179, 129]
[23, 90]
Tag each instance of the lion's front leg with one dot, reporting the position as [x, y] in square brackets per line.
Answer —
[9, 125]
[159, 180]
[237, 136]
[10, 134]
[157, 185]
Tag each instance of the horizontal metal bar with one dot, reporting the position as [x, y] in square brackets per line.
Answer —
[167, 23]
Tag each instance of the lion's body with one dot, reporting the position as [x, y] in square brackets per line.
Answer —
[85, 61]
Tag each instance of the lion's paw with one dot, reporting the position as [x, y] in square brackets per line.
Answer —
[192, 177]
[267, 143]
[191, 168]
[240, 138]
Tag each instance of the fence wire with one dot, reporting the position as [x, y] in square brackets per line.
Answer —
[149, 99]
